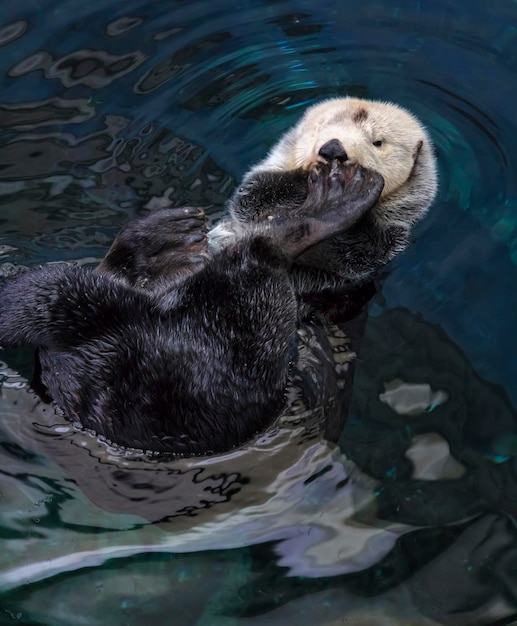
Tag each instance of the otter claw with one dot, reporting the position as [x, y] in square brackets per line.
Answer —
[317, 172]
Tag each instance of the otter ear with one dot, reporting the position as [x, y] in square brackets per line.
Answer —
[417, 151]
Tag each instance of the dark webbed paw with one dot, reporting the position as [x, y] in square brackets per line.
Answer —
[341, 191]
[339, 194]
[159, 247]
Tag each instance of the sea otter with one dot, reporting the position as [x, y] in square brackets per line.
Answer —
[378, 135]
[176, 345]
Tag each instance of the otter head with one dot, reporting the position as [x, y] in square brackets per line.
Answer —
[379, 136]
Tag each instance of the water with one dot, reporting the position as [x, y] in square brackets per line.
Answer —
[411, 519]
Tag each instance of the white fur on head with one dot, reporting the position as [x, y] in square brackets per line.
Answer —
[404, 157]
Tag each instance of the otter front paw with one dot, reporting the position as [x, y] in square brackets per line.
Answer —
[158, 248]
[341, 192]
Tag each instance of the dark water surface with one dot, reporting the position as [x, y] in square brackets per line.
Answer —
[411, 520]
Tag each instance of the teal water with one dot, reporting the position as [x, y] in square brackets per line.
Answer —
[410, 519]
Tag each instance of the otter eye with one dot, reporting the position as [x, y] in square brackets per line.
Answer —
[378, 143]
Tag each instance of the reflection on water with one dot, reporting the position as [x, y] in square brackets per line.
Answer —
[67, 192]
[410, 518]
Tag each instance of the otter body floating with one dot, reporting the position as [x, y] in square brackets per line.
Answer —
[174, 345]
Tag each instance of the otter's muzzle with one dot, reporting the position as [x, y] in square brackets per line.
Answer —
[332, 150]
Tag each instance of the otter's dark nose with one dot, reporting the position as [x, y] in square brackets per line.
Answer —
[333, 149]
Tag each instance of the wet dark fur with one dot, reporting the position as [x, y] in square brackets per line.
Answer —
[164, 347]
